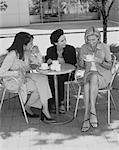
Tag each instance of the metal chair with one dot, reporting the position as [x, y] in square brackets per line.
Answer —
[75, 86]
[107, 90]
[2, 85]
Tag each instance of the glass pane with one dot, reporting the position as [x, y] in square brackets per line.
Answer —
[76, 10]
[61, 10]
[50, 11]
[35, 11]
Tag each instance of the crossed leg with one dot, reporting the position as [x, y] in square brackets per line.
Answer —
[90, 94]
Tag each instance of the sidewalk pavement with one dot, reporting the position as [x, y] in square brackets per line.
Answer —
[15, 134]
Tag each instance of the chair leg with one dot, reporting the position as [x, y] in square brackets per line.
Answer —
[23, 108]
[77, 102]
[67, 97]
[3, 95]
[65, 94]
[108, 119]
[113, 101]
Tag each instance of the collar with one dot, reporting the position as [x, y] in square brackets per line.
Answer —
[99, 46]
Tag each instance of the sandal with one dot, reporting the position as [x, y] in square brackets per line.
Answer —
[94, 124]
[85, 128]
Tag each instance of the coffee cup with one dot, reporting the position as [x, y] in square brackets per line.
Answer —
[55, 62]
[44, 66]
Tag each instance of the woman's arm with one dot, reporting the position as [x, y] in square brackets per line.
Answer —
[36, 58]
[7, 64]
[70, 55]
[50, 55]
[80, 62]
[106, 65]
[107, 62]
[39, 59]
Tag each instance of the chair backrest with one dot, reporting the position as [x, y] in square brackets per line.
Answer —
[2, 57]
[113, 62]
[114, 68]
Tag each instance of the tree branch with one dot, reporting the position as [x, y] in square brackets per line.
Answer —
[110, 7]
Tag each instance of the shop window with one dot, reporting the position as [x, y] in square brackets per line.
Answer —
[61, 10]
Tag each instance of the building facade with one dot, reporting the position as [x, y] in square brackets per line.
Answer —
[26, 12]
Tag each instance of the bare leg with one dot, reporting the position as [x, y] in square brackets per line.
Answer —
[86, 123]
[34, 100]
[86, 100]
[45, 110]
[93, 96]
[41, 84]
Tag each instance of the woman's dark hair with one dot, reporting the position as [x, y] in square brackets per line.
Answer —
[55, 35]
[21, 39]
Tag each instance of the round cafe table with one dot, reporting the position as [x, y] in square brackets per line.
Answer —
[65, 68]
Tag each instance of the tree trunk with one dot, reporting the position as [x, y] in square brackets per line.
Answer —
[105, 30]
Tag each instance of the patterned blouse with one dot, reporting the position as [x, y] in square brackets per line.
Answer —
[102, 52]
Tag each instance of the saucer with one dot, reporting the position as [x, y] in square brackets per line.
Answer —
[43, 68]
[89, 59]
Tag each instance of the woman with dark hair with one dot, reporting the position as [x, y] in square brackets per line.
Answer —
[64, 53]
[95, 57]
[17, 64]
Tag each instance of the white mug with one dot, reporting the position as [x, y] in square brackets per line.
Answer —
[55, 62]
[44, 65]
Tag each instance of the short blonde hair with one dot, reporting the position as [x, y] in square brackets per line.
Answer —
[92, 31]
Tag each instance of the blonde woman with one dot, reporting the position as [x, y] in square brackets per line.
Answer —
[95, 57]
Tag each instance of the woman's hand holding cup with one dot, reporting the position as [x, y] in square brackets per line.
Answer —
[49, 61]
[98, 60]
[61, 60]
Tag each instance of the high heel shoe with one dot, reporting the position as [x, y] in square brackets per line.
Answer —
[32, 115]
[46, 119]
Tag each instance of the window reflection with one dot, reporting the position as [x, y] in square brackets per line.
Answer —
[61, 10]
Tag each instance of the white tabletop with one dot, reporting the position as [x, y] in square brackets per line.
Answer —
[65, 68]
